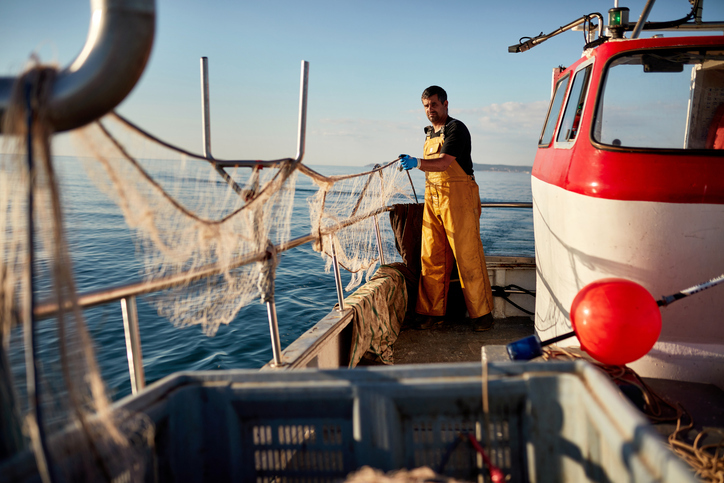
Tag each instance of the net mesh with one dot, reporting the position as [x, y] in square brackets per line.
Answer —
[189, 223]
[340, 215]
[208, 240]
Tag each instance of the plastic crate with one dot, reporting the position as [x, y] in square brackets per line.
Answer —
[557, 422]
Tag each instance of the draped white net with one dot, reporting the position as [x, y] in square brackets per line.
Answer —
[190, 222]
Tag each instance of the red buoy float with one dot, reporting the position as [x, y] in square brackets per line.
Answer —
[616, 320]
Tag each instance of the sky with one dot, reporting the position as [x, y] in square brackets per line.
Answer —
[369, 63]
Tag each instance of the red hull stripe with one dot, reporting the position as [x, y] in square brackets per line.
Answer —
[633, 176]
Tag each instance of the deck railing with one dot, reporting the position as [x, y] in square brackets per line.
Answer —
[126, 294]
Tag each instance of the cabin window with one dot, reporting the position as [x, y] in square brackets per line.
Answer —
[662, 99]
[550, 126]
[572, 115]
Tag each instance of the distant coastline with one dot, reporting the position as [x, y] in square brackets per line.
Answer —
[502, 167]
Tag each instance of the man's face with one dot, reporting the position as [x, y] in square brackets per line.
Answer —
[435, 110]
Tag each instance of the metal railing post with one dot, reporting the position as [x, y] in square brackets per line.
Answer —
[133, 344]
[276, 344]
[206, 125]
[302, 127]
[266, 291]
[337, 276]
[205, 109]
[377, 224]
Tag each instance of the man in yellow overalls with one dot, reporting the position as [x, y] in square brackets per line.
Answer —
[451, 220]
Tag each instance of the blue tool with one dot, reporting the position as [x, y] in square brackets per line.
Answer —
[529, 347]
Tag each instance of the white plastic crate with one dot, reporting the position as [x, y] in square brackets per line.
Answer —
[554, 421]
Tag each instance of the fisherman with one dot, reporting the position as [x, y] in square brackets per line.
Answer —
[451, 219]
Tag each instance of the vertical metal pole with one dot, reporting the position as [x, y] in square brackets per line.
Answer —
[133, 344]
[206, 124]
[379, 241]
[587, 30]
[301, 135]
[205, 109]
[274, 331]
[642, 19]
[377, 224]
[337, 276]
[267, 271]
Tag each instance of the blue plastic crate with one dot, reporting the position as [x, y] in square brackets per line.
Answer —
[553, 421]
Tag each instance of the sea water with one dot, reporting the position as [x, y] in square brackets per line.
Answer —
[104, 255]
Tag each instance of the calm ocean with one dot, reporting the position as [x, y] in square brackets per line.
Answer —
[104, 255]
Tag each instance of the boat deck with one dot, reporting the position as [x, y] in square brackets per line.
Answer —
[456, 341]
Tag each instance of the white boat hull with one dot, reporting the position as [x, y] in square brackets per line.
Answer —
[665, 247]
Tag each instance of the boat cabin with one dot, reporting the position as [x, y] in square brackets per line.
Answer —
[628, 182]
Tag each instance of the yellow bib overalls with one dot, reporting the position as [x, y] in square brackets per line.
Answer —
[451, 228]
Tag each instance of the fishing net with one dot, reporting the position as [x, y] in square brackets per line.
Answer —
[199, 230]
[190, 225]
[69, 388]
[208, 240]
[343, 214]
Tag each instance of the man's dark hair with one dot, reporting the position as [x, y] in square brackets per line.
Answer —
[435, 90]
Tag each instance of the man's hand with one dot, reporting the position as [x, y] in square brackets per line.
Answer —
[408, 162]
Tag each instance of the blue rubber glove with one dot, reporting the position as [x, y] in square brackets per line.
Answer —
[408, 162]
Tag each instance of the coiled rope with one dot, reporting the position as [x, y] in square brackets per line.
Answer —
[707, 460]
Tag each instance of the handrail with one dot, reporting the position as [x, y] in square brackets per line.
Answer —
[301, 132]
[506, 204]
[115, 54]
[48, 309]
[240, 163]
[693, 26]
